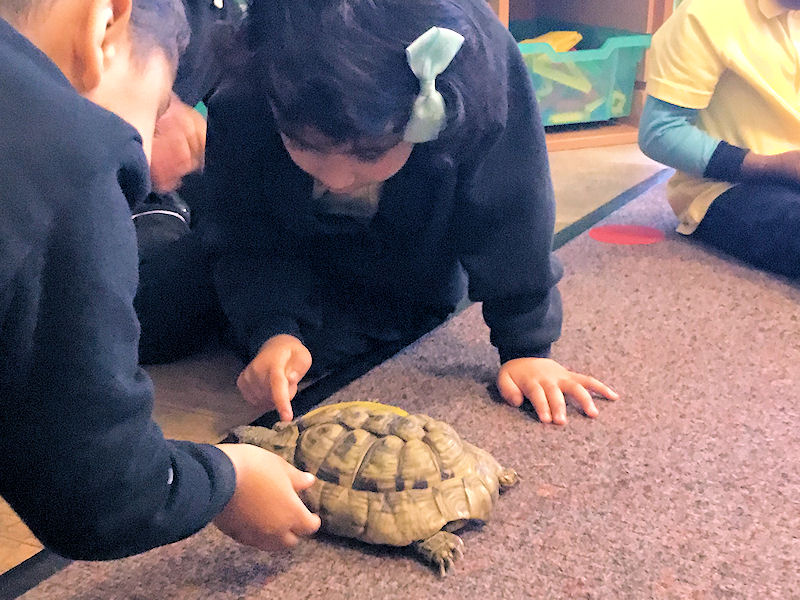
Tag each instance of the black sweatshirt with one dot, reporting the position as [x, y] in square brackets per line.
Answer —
[81, 460]
[203, 63]
[479, 198]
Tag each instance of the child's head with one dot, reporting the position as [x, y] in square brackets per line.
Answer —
[337, 78]
[121, 54]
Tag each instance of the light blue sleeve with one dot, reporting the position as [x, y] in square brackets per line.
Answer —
[667, 134]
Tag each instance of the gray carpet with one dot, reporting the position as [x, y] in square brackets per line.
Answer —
[689, 487]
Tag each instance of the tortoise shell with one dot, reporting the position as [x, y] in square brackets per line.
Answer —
[384, 476]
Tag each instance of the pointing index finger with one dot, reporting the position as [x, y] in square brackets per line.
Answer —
[279, 387]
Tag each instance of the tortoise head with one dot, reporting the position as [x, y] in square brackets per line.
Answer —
[280, 436]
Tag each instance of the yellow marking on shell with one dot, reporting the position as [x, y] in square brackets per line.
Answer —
[374, 407]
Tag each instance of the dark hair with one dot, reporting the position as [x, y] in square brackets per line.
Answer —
[155, 24]
[14, 9]
[339, 67]
[159, 24]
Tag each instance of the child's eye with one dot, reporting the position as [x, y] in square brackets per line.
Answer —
[370, 155]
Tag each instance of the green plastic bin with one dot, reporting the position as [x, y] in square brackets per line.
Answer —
[593, 82]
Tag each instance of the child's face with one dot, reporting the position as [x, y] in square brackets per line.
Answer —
[337, 169]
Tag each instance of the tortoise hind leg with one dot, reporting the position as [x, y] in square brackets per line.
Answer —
[441, 549]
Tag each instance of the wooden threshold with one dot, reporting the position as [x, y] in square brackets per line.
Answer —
[589, 135]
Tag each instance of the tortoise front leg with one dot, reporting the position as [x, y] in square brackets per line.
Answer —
[441, 549]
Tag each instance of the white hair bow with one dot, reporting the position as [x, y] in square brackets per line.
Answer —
[428, 56]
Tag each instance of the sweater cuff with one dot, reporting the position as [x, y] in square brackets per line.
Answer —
[507, 354]
[726, 163]
[205, 480]
[277, 325]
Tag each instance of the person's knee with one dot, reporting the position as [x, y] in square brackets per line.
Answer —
[757, 224]
[175, 301]
[159, 224]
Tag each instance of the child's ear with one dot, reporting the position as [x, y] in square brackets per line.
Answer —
[103, 34]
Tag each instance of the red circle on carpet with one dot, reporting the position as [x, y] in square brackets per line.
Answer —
[626, 234]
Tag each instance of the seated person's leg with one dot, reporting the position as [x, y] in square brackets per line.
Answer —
[758, 223]
[175, 301]
[350, 330]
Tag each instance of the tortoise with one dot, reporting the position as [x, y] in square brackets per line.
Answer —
[388, 477]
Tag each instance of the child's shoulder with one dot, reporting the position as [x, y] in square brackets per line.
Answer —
[717, 11]
[716, 23]
[41, 110]
[59, 149]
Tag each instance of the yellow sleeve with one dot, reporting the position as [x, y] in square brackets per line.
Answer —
[686, 58]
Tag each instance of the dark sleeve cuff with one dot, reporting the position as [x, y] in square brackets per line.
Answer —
[726, 163]
[507, 354]
[524, 326]
[278, 325]
[203, 482]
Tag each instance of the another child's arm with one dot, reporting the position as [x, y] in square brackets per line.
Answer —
[83, 462]
[262, 281]
[507, 223]
[545, 382]
[270, 379]
[784, 167]
[668, 134]
[688, 57]
[265, 510]
[179, 145]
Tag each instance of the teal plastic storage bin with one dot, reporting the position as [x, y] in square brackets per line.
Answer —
[593, 82]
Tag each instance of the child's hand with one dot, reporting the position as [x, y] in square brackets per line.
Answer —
[544, 382]
[179, 146]
[783, 167]
[271, 378]
[265, 510]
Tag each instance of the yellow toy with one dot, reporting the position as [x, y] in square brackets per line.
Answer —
[560, 41]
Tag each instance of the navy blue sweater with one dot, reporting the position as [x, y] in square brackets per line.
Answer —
[203, 63]
[479, 198]
[81, 460]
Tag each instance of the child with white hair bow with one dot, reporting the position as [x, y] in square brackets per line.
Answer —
[381, 158]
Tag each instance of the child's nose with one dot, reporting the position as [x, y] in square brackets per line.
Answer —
[335, 177]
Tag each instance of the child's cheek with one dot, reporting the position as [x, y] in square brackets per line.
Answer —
[303, 160]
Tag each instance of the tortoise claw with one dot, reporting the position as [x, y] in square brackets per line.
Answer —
[459, 551]
[442, 549]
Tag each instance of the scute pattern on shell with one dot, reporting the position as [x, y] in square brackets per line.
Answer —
[389, 479]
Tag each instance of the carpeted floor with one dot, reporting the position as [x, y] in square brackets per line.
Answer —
[689, 487]
[197, 399]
